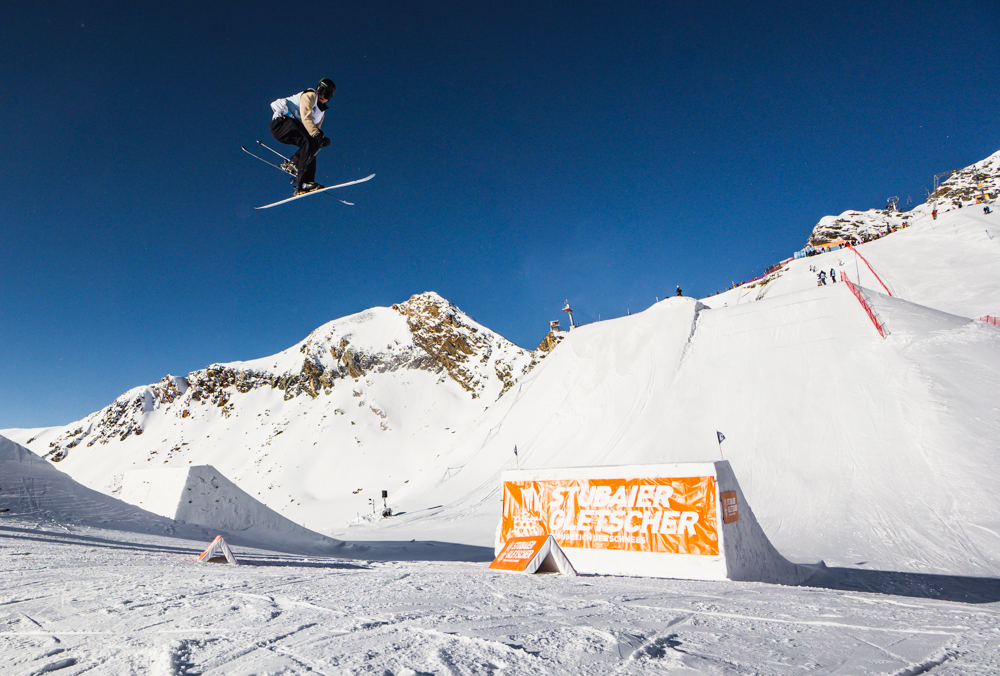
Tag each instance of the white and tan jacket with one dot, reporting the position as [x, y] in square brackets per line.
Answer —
[305, 107]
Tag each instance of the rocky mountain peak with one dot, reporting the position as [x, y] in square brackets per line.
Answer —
[425, 333]
[470, 353]
[964, 188]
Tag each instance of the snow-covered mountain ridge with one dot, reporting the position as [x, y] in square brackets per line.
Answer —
[958, 191]
[424, 333]
[316, 429]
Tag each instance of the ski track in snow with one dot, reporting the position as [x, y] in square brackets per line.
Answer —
[145, 606]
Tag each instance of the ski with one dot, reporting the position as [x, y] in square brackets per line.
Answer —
[313, 192]
[288, 173]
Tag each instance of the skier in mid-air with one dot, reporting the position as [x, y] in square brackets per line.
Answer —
[296, 121]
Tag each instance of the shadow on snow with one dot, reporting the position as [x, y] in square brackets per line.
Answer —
[957, 588]
[359, 551]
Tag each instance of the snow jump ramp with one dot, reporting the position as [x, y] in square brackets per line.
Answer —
[200, 494]
[682, 520]
[31, 487]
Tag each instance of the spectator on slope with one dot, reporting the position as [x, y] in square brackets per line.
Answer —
[833, 275]
[987, 210]
[822, 278]
[679, 291]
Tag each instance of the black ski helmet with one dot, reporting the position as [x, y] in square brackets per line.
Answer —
[326, 88]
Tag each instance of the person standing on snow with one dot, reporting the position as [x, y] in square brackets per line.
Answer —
[296, 121]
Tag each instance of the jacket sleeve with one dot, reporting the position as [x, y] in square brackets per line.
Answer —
[279, 108]
[306, 103]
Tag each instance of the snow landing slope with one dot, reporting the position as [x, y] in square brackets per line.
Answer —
[948, 264]
[850, 448]
[363, 404]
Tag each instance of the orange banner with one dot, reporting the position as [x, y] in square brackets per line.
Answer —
[673, 516]
[518, 553]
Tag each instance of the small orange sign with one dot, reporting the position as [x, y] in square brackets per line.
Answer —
[517, 553]
[730, 508]
[656, 514]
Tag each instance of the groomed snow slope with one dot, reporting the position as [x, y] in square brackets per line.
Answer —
[948, 264]
[851, 449]
[930, 263]
[107, 603]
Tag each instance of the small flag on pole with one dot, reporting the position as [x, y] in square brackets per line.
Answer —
[722, 437]
[517, 461]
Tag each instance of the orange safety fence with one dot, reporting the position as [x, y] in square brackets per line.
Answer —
[995, 321]
[866, 304]
[870, 268]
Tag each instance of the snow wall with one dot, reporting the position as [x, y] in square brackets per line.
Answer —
[32, 488]
[200, 494]
[681, 520]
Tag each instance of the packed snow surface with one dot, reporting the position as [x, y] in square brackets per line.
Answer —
[93, 585]
[77, 600]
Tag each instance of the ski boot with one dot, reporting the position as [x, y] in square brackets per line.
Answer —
[308, 187]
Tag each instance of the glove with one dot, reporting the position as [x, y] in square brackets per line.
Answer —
[324, 142]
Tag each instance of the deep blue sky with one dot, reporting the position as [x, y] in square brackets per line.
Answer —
[526, 153]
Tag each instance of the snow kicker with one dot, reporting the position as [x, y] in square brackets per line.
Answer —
[682, 520]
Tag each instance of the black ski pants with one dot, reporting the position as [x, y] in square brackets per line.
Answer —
[290, 131]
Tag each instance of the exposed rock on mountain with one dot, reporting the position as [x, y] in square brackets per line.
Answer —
[424, 333]
[967, 186]
[963, 189]
[549, 342]
[854, 226]
[461, 347]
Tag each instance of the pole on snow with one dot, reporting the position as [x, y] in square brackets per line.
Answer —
[569, 310]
